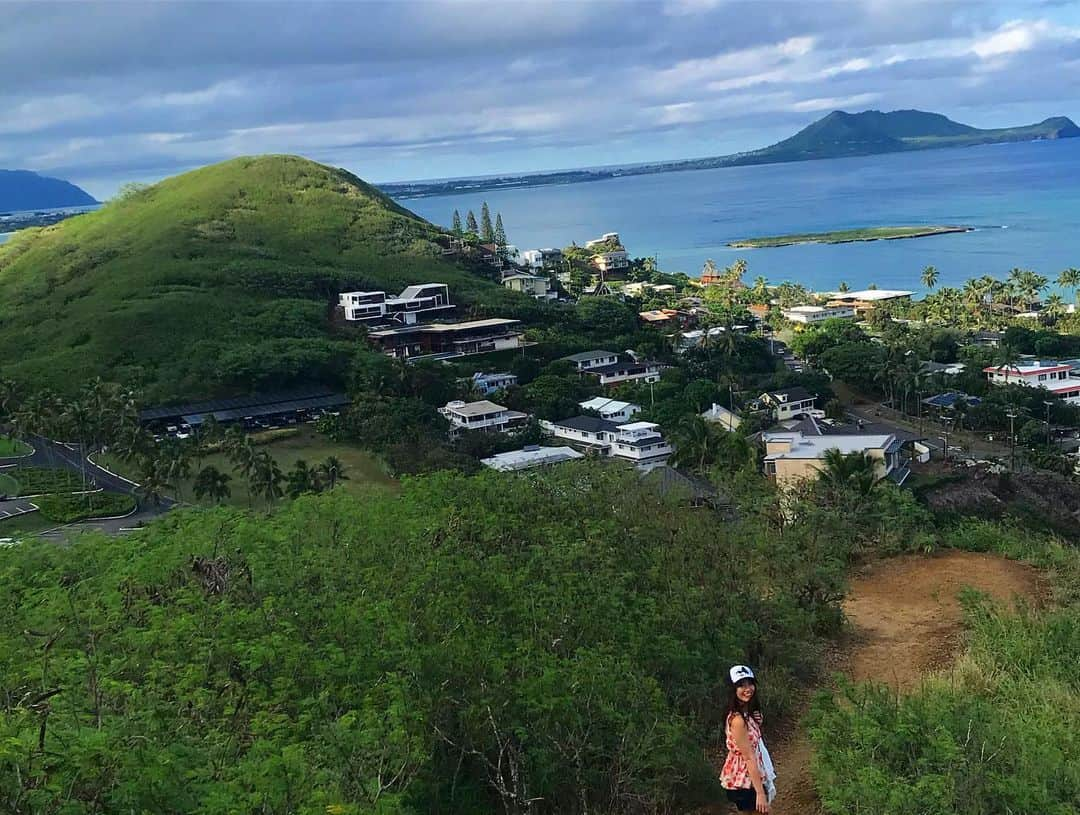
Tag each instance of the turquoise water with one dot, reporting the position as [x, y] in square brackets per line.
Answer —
[5, 235]
[1024, 200]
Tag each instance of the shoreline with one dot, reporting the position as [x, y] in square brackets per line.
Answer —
[845, 236]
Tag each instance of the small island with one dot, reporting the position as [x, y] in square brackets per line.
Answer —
[876, 233]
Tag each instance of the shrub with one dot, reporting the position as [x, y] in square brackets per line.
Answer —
[46, 480]
[65, 509]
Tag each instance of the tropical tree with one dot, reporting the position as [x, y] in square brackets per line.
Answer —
[843, 287]
[266, 478]
[330, 472]
[487, 232]
[760, 291]
[212, 483]
[696, 443]
[470, 223]
[300, 479]
[848, 473]
[500, 232]
[930, 277]
[455, 223]
[1070, 279]
[153, 483]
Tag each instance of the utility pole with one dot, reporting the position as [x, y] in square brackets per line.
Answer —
[1012, 440]
[947, 422]
[1048, 403]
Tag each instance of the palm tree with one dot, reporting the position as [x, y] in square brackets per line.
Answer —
[843, 287]
[695, 443]
[212, 483]
[153, 483]
[266, 478]
[760, 292]
[1006, 358]
[1070, 279]
[1054, 306]
[930, 277]
[853, 472]
[300, 479]
[330, 472]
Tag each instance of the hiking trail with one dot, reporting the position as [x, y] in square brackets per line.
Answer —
[905, 622]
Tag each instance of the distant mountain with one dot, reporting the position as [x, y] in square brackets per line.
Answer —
[22, 189]
[870, 132]
[836, 135]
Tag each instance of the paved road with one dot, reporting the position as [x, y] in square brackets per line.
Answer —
[17, 506]
[49, 453]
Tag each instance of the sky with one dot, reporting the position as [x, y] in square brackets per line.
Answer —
[110, 92]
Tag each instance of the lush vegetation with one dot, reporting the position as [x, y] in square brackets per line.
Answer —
[219, 280]
[69, 508]
[8, 485]
[10, 447]
[46, 480]
[996, 735]
[473, 643]
[875, 233]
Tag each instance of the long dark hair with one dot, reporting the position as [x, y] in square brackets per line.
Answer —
[735, 705]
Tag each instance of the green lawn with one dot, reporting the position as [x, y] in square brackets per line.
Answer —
[877, 233]
[8, 485]
[361, 467]
[27, 524]
[13, 447]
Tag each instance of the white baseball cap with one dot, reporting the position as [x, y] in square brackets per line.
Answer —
[739, 673]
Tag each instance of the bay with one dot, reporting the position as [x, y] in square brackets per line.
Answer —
[1023, 200]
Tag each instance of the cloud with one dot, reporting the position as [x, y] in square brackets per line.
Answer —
[110, 91]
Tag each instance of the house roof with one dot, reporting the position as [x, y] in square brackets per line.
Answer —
[478, 408]
[666, 480]
[588, 424]
[950, 398]
[270, 399]
[788, 395]
[623, 367]
[530, 457]
[585, 356]
[869, 295]
[603, 405]
[815, 447]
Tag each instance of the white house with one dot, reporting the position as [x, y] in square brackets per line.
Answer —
[592, 359]
[613, 237]
[1060, 378]
[538, 259]
[536, 286]
[809, 315]
[638, 442]
[612, 261]
[618, 372]
[481, 415]
[487, 384]
[414, 303]
[530, 456]
[611, 409]
[789, 403]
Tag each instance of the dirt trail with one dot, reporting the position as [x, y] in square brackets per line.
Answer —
[905, 623]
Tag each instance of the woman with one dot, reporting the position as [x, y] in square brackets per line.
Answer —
[747, 775]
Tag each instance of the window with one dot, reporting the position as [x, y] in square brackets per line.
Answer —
[1042, 377]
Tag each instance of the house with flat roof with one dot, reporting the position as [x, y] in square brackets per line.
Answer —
[611, 409]
[1061, 378]
[642, 289]
[792, 458]
[415, 303]
[481, 415]
[530, 456]
[448, 340]
[607, 237]
[640, 443]
[616, 260]
[592, 359]
[789, 403]
[810, 315]
[631, 371]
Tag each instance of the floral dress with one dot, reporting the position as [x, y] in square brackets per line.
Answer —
[735, 774]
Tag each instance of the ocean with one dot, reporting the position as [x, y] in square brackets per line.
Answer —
[1023, 200]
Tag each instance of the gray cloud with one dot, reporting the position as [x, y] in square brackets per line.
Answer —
[104, 93]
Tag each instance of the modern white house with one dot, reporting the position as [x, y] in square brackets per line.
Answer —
[487, 384]
[529, 457]
[809, 315]
[613, 237]
[409, 307]
[481, 415]
[638, 442]
[538, 259]
[448, 340]
[1060, 378]
[611, 409]
[613, 261]
[642, 289]
[789, 403]
[537, 286]
[592, 359]
[792, 457]
[619, 372]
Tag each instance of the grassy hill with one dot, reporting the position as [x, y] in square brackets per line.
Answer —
[214, 281]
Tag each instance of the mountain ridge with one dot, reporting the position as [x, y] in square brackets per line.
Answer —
[25, 189]
[838, 134]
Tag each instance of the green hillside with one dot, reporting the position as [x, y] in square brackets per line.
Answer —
[213, 281]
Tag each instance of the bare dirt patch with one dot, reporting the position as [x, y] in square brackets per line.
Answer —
[905, 622]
